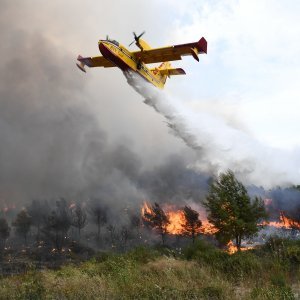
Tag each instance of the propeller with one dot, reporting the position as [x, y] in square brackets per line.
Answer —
[137, 37]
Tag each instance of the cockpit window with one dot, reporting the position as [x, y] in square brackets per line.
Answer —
[112, 41]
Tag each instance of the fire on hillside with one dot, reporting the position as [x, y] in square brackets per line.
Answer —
[177, 220]
[281, 219]
[284, 222]
[177, 223]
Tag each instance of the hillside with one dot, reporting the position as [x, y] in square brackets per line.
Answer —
[200, 271]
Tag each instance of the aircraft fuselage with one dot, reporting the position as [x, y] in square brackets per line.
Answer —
[126, 60]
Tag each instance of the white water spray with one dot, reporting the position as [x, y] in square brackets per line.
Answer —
[218, 145]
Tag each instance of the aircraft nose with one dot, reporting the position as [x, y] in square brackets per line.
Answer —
[103, 48]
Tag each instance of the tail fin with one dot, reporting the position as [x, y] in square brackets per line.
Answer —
[202, 45]
[166, 70]
[172, 72]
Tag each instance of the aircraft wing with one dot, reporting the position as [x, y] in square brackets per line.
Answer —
[172, 52]
[95, 61]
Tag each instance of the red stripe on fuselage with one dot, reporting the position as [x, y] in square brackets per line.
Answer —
[108, 54]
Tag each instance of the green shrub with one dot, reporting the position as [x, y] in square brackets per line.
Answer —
[31, 287]
[142, 254]
[212, 293]
[278, 280]
[235, 266]
[271, 293]
[282, 248]
[241, 265]
[199, 247]
[293, 254]
[206, 254]
[102, 256]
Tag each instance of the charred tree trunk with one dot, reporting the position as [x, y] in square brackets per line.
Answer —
[2, 246]
[163, 238]
[99, 228]
[238, 242]
[38, 233]
[193, 235]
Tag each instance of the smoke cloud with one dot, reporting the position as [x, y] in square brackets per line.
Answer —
[52, 144]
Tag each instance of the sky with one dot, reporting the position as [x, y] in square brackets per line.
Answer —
[61, 129]
[252, 63]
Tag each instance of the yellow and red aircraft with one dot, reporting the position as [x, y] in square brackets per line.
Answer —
[116, 55]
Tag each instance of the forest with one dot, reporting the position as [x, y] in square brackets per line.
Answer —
[83, 250]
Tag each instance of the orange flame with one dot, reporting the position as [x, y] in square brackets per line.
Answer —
[284, 222]
[231, 248]
[208, 228]
[177, 223]
[146, 209]
[177, 220]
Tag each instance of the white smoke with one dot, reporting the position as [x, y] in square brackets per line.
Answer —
[220, 146]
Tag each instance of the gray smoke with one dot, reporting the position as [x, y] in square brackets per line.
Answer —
[51, 142]
[286, 200]
[53, 146]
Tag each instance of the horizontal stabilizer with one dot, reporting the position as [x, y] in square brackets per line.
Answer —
[171, 72]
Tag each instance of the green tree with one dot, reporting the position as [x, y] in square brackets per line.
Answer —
[192, 223]
[22, 224]
[231, 210]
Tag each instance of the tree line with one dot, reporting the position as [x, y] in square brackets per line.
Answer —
[229, 209]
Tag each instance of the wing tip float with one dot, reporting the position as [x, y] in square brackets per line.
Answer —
[81, 63]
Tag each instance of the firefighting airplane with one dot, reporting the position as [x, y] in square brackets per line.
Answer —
[116, 55]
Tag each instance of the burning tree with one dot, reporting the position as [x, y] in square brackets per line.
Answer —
[157, 219]
[231, 211]
[22, 224]
[192, 223]
[4, 233]
[79, 218]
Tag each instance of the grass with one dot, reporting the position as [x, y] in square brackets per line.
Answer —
[201, 272]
